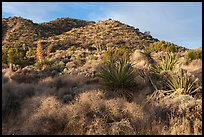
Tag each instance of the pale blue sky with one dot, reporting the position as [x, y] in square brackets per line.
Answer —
[177, 22]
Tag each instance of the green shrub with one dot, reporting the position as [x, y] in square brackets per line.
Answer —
[5, 55]
[17, 56]
[80, 61]
[59, 66]
[72, 48]
[44, 63]
[117, 74]
[163, 46]
[31, 53]
[193, 54]
[114, 55]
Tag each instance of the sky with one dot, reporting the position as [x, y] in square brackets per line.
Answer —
[177, 22]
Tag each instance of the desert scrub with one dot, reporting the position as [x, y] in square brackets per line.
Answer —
[72, 48]
[43, 63]
[163, 46]
[115, 54]
[5, 55]
[31, 53]
[59, 66]
[193, 54]
[80, 61]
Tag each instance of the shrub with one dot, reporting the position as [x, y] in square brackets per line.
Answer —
[17, 56]
[73, 48]
[31, 53]
[59, 66]
[163, 46]
[193, 54]
[5, 55]
[80, 61]
[43, 63]
[115, 54]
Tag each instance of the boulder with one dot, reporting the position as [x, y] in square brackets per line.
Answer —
[139, 60]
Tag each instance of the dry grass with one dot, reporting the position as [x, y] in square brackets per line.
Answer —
[70, 105]
[92, 113]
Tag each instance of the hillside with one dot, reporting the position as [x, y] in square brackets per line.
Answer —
[103, 33]
[76, 77]
[17, 30]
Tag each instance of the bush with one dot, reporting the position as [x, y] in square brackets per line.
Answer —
[5, 55]
[115, 54]
[193, 54]
[80, 61]
[44, 63]
[31, 53]
[163, 46]
[17, 56]
[58, 66]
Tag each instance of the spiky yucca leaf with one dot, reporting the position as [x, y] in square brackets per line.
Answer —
[116, 75]
[168, 62]
[181, 80]
[146, 51]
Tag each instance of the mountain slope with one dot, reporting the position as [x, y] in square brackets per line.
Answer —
[102, 34]
[17, 30]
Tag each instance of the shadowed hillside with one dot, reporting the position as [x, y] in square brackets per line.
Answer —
[17, 30]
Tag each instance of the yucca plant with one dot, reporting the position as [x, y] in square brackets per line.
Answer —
[167, 63]
[117, 74]
[183, 82]
[147, 52]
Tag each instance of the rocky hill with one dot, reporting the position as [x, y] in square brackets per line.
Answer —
[17, 30]
[101, 35]
[72, 43]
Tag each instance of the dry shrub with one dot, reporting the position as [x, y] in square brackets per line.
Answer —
[60, 82]
[93, 114]
[123, 127]
[182, 126]
[24, 78]
[38, 109]
[184, 113]
[13, 95]
[97, 127]
[49, 118]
